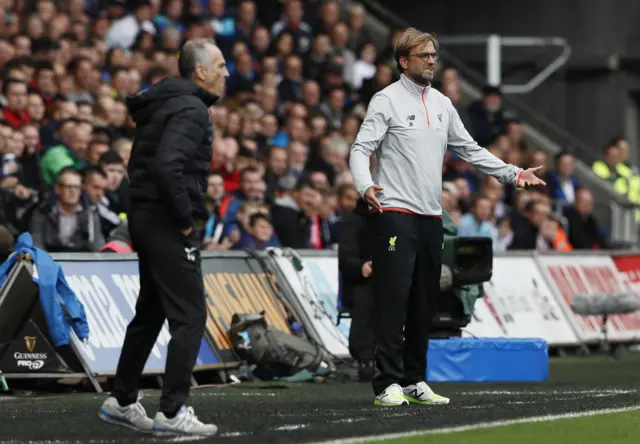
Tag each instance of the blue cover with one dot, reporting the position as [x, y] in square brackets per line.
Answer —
[54, 292]
[487, 360]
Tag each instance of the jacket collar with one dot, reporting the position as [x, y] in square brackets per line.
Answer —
[412, 87]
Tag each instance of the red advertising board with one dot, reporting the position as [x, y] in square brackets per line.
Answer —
[570, 275]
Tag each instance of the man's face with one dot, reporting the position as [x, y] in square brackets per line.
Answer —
[85, 112]
[421, 63]
[23, 46]
[17, 96]
[349, 199]
[584, 202]
[68, 189]
[539, 158]
[83, 74]
[293, 68]
[35, 107]
[66, 110]
[31, 136]
[566, 166]
[15, 144]
[251, 185]
[96, 150]
[118, 114]
[539, 214]
[336, 100]
[261, 39]
[80, 139]
[269, 125]
[297, 155]
[309, 201]
[482, 209]
[214, 77]
[278, 161]
[95, 187]
[46, 80]
[311, 93]
[624, 149]
[215, 187]
[115, 174]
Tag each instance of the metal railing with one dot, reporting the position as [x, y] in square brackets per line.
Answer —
[494, 44]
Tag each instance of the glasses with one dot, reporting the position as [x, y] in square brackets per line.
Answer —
[424, 56]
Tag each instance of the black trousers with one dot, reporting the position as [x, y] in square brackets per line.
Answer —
[361, 336]
[407, 260]
[171, 288]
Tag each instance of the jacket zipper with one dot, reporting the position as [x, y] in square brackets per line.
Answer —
[426, 109]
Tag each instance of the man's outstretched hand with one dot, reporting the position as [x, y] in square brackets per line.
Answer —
[528, 178]
[371, 199]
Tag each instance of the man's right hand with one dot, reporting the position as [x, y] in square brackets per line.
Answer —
[371, 199]
[187, 232]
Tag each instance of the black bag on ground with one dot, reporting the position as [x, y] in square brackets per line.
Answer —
[275, 354]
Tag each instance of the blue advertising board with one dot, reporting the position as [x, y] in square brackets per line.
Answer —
[108, 290]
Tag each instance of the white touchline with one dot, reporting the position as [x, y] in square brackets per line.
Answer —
[481, 425]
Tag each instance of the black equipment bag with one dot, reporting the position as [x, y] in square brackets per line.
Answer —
[275, 354]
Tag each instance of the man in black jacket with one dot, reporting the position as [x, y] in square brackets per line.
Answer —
[356, 268]
[168, 170]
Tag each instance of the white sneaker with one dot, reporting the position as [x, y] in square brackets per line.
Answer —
[184, 423]
[132, 416]
[392, 396]
[421, 393]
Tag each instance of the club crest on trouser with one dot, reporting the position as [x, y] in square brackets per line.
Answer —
[392, 243]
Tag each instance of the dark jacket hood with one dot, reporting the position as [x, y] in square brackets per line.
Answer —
[146, 102]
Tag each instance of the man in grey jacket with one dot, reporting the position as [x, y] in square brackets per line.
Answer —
[410, 125]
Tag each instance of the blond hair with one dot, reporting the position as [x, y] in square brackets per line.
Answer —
[409, 39]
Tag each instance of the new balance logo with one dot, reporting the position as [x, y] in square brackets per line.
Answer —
[440, 117]
[190, 253]
[411, 118]
[416, 394]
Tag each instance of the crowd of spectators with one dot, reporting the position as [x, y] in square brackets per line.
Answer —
[302, 74]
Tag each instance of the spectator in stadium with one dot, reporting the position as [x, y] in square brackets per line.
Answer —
[117, 188]
[611, 168]
[15, 113]
[449, 200]
[292, 22]
[31, 170]
[513, 131]
[124, 30]
[251, 190]
[71, 152]
[584, 231]
[451, 88]
[295, 217]
[80, 69]
[64, 225]
[259, 234]
[214, 230]
[477, 223]
[562, 182]
[317, 58]
[358, 35]
[95, 184]
[487, 116]
[539, 230]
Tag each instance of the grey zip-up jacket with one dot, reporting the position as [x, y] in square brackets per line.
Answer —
[409, 127]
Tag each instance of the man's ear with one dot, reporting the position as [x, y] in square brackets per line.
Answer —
[201, 72]
[403, 63]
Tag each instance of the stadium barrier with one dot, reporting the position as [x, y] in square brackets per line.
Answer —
[528, 296]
